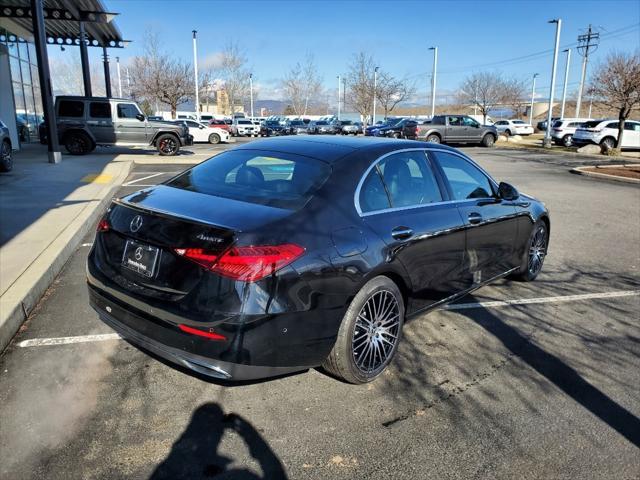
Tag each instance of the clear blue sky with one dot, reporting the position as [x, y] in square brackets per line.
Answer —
[480, 35]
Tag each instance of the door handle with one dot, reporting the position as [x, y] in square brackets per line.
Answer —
[401, 233]
[475, 218]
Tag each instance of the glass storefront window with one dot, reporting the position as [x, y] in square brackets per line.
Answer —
[15, 69]
[23, 50]
[26, 73]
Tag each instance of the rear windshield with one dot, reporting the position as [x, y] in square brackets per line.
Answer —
[558, 123]
[257, 176]
[592, 123]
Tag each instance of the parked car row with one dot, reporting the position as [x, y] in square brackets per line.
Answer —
[604, 132]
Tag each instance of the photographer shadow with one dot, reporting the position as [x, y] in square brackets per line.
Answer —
[195, 454]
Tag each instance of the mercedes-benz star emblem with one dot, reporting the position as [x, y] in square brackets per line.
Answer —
[136, 223]
[138, 253]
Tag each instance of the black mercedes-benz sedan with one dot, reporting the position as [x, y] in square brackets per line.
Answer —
[290, 253]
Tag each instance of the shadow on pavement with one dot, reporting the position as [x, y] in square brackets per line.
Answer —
[195, 454]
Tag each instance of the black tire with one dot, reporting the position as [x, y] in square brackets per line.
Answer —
[567, 140]
[526, 273]
[608, 143]
[488, 140]
[78, 143]
[214, 138]
[356, 343]
[433, 138]
[507, 133]
[168, 145]
[396, 135]
[6, 157]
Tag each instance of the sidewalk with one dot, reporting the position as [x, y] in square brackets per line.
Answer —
[45, 211]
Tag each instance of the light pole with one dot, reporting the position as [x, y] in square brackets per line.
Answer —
[119, 78]
[547, 135]
[338, 97]
[195, 73]
[251, 92]
[433, 80]
[566, 79]
[533, 96]
[375, 88]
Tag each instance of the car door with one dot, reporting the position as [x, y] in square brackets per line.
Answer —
[455, 129]
[129, 129]
[100, 122]
[472, 130]
[491, 224]
[631, 135]
[402, 201]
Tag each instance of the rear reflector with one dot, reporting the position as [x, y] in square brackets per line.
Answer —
[248, 264]
[202, 333]
[103, 226]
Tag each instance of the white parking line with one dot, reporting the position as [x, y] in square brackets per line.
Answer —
[41, 342]
[143, 178]
[530, 301]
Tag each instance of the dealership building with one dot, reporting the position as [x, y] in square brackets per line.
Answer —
[26, 28]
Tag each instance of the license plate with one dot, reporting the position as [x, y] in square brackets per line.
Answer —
[140, 258]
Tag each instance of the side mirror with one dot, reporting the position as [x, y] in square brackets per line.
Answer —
[507, 192]
[140, 117]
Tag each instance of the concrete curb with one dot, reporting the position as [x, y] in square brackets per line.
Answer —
[586, 156]
[605, 176]
[25, 293]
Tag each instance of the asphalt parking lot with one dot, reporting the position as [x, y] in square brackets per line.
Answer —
[536, 380]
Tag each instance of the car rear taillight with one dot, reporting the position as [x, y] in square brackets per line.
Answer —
[557, 129]
[103, 225]
[247, 264]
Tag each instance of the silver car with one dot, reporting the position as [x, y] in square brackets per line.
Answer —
[6, 149]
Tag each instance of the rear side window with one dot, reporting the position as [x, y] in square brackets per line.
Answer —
[575, 124]
[615, 125]
[632, 126]
[439, 120]
[256, 176]
[465, 179]
[373, 195]
[100, 110]
[409, 179]
[558, 124]
[70, 108]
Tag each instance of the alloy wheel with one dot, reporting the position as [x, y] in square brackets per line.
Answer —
[376, 332]
[537, 250]
[168, 145]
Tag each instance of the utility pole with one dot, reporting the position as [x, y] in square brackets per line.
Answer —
[547, 135]
[433, 80]
[566, 78]
[195, 73]
[119, 77]
[375, 88]
[338, 97]
[587, 43]
[533, 96]
[251, 92]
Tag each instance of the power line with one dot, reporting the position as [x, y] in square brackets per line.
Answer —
[586, 43]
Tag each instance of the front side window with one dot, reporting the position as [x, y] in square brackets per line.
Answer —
[466, 180]
[409, 179]
[127, 110]
[70, 108]
[614, 125]
[255, 176]
[469, 122]
[631, 126]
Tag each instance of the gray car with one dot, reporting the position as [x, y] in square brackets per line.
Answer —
[85, 122]
[6, 149]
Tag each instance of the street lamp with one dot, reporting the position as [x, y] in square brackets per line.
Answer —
[195, 73]
[338, 97]
[547, 135]
[251, 92]
[375, 87]
[533, 96]
[566, 78]
[433, 80]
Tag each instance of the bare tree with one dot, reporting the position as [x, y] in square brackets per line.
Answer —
[390, 91]
[302, 85]
[515, 95]
[360, 84]
[616, 84]
[160, 77]
[486, 90]
[234, 72]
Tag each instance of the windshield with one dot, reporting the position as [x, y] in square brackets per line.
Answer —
[297, 123]
[257, 176]
[517, 122]
[346, 122]
[322, 122]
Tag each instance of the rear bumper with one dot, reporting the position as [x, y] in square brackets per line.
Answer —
[145, 334]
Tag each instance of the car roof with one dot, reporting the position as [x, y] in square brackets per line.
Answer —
[333, 149]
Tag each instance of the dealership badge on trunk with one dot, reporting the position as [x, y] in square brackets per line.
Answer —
[135, 224]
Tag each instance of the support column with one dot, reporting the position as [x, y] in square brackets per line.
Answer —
[84, 60]
[107, 76]
[40, 37]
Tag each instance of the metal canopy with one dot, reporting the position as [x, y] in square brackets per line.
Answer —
[62, 21]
